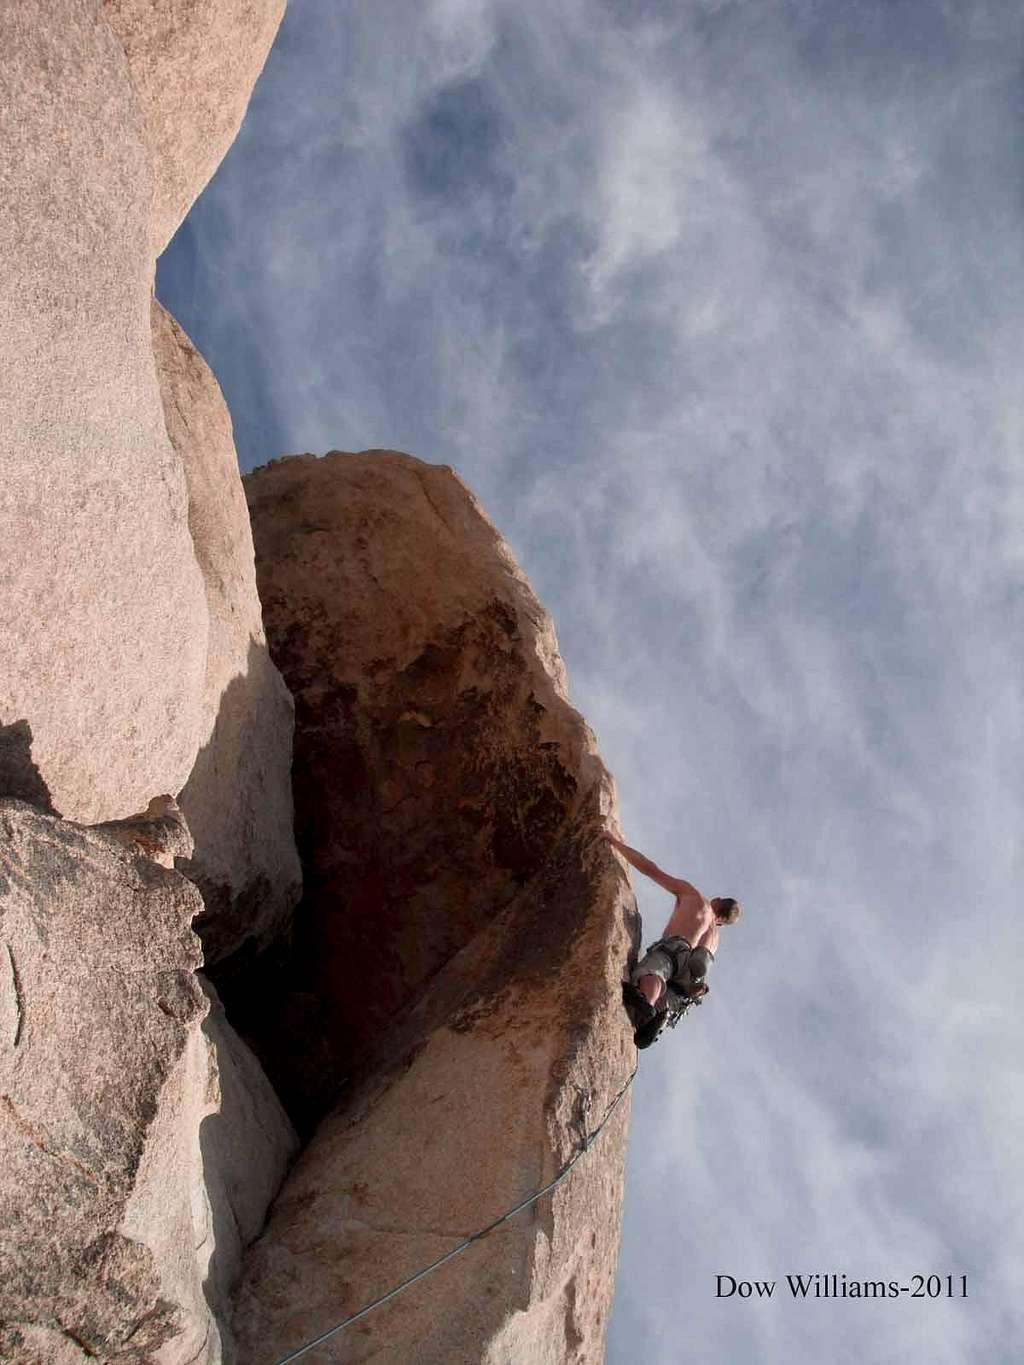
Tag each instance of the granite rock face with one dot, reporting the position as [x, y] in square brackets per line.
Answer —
[238, 798]
[134, 656]
[140, 1150]
[193, 65]
[461, 940]
[140, 1142]
[102, 611]
[431, 726]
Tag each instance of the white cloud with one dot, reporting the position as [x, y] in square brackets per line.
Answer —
[651, 165]
[463, 34]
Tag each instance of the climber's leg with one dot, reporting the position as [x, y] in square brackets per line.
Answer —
[691, 979]
[698, 962]
[651, 987]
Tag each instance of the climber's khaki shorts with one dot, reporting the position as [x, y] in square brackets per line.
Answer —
[662, 959]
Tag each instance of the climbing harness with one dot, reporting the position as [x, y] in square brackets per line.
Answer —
[683, 970]
[587, 1143]
[667, 1014]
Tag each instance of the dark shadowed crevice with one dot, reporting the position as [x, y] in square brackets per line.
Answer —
[19, 775]
[237, 806]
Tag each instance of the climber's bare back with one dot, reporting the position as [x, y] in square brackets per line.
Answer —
[693, 918]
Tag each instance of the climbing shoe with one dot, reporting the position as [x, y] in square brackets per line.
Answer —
[648, 1020]
[638, 1007]
[650, 1032]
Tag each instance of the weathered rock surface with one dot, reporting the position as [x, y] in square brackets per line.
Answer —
[134, 656]
[238, 798]
[247, 1144]
[103, 617]
[461, 941]
[193, 64]
[431, 727]
[141, 1142]
[139, 1151]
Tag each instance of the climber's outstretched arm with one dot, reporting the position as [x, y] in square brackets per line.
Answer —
[676, 885]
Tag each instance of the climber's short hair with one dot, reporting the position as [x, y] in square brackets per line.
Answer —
[728, 910]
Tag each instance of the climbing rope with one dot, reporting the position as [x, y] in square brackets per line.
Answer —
[587, 1143]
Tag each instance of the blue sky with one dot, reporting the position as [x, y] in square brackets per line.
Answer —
[719, 307]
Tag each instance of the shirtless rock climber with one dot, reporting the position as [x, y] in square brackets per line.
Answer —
[680, 959]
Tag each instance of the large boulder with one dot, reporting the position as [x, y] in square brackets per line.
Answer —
[134, 652]
[102, 611]
[141, 1141]
[509, 1063]
[430, 773]
[460, 943]
[140, 1148]
[193, 64]
[238, 797]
